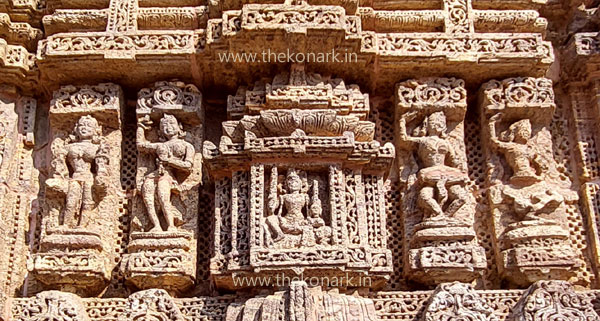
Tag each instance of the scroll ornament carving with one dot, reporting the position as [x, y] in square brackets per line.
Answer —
[457, 301]
[519, 92]
[432, 92]
[555, 300]
[174, 94]
[85, 97]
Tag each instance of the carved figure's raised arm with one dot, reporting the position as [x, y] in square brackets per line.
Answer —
[144, 124]
[402, 124]
[493, 134]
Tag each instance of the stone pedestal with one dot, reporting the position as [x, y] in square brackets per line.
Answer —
[445, 250]
[536, 250]
[160, 260]
[71, 260]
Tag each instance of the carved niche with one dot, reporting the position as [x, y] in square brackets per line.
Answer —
[81, 190]
[437, 203]
[527, 195]
[299, 182]
[162, 247]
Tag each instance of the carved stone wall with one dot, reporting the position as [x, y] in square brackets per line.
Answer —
[299, 160]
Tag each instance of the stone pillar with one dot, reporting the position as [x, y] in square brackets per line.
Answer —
[528, 197]
[162, 247]
[82, 189]
[438, 203]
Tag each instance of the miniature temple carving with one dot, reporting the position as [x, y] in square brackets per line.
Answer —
[527, 195]
[438, 204]
[162, 247]
[277, 210]
[82, 185]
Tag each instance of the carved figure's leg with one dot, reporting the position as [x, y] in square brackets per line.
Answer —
[308, 234]
[273, 223]
[148, 191]
[87, 202]
[458, 195]
[164, 197]
[72, 203]
[426, 200]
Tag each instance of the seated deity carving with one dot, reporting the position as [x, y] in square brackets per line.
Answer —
[174, 155]
[514, 143]
[80, 171]
[287, 220]
[442, 178]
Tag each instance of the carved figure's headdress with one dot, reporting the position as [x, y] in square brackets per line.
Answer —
[90, 121]
[510, 134]
[167, 118]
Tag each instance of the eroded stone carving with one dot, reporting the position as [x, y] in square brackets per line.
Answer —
[553, 300]
[295, 213]
[302, 303]
[430, 114]
[457, 301]
[528, 197]
[279, 211]
[173, 155]
[153, 305]
[80, 170]
[162, 250]
[81, 190]
[56, 306]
